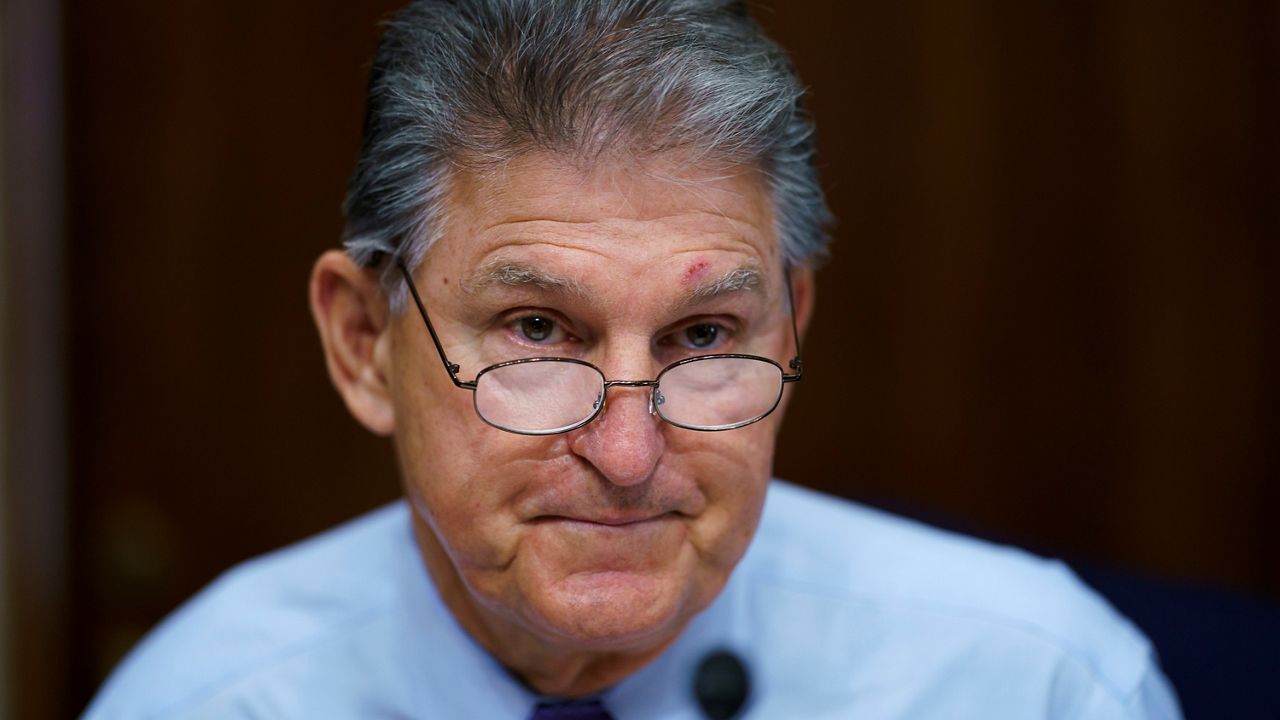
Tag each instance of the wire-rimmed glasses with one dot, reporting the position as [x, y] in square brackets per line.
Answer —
[550, 395]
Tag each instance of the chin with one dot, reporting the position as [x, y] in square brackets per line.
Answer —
[615, 611]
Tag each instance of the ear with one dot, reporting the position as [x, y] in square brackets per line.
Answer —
[802, 294]
[352, 316]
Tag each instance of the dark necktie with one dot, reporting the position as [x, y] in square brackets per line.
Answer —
[571, 710]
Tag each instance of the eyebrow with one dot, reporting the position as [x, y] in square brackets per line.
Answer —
[518, 274]
[746, 278]
[511, 273]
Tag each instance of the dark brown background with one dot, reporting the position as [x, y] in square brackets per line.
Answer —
[1049, 315]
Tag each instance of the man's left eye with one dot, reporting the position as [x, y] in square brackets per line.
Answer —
[702, 335]
[537, 328]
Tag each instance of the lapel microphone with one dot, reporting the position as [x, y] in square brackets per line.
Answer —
[721, 685]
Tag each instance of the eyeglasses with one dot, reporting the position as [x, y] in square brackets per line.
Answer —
[550, 395]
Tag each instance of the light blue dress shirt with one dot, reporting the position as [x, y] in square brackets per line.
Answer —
[837, 611]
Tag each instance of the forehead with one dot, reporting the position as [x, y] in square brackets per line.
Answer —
[614, 218]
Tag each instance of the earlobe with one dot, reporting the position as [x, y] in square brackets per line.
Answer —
[351, 315]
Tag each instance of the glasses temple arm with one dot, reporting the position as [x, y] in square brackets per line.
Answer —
[796, 364]
[451, 368]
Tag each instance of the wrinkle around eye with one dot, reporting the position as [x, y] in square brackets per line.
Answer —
[513, 340]
[679, 337]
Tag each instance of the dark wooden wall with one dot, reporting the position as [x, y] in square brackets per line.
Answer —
[208, 145]
[1055, 308]
[1049, 315]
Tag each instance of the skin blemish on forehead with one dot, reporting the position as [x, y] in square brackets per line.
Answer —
[696, 271]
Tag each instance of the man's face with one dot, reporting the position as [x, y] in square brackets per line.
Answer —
[612, 536]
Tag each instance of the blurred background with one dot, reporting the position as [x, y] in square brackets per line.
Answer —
[1050, 316]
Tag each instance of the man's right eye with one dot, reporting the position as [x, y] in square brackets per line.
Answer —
[537, 328]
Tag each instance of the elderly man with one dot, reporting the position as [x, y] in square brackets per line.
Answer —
[579, 250]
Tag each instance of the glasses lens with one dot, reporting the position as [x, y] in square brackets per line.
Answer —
[719, 393]
[539, 397]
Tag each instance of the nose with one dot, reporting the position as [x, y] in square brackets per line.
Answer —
[626, 441]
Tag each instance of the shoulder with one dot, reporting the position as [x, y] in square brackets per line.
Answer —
[933, 596]
[263, 616]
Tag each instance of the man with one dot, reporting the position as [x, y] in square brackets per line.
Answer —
[579, 253]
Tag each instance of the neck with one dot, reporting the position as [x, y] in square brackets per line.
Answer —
[540, 663]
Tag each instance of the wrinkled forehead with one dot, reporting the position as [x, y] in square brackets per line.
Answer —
[541, 220]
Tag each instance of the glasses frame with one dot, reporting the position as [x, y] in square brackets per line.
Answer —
[796, 365]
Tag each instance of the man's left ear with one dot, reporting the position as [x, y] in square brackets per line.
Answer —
[802, 293]
[352, 316]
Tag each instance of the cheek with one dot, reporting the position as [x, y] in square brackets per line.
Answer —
[451, 466]
[732, 469]
[454, 488]
[466, 482]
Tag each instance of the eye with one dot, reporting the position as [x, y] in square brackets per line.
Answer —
[702, 335]
[705, 336]
[537, 328]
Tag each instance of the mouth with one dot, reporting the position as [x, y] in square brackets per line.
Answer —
[606, 520]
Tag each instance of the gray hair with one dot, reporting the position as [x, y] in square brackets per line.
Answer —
[469, 84]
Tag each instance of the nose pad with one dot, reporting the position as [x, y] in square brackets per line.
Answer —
[655, 399]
